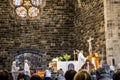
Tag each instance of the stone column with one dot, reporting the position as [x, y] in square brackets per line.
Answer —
[112, 30]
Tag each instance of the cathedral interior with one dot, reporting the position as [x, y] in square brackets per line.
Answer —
[45, 29]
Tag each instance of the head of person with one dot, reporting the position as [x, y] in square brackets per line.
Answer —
[26, 61]
[118, 67]
[106, 68]
[77, 50]
[60, 72]
[116, 76]
[81, 51]
[4, 75]
[47, 78]
[14, 63]
[82, 75]
[69, 75]
[35, 77]
[21, 76]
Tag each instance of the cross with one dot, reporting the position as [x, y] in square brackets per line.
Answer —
[90, 45]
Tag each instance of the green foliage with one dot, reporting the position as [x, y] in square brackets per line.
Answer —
[66, 57]
[60, 58]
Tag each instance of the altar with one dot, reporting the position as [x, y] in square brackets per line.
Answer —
[66, 65]
[89, 62]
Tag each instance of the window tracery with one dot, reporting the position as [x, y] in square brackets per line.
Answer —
[27, 8]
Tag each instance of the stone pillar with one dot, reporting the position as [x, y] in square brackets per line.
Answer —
[112, 30]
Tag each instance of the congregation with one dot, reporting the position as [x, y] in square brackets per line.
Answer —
[87, 71]
[102, 73]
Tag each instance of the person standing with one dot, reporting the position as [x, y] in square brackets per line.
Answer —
[52, 72]
[81, 59]
[27, 70]
[47, 73]
[14, 70]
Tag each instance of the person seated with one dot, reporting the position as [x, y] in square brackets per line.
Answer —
[82, 75]
[4, 75]
[103, 73]
[116, 76]
[21, 76]
[69, 75]
[60, 74]
[47, 78]
[88, 66]
[35, 77]
[118, 68]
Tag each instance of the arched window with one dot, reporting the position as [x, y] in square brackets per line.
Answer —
[27, 8]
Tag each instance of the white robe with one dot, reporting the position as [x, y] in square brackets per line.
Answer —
[81, 60]
[47, 73]
[27, 69]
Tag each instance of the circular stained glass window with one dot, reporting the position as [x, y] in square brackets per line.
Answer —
[21, 11]
[36, 2]
[17, 2]
[33, 11]
[27, 8]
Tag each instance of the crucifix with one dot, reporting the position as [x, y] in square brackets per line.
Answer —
[90, 45]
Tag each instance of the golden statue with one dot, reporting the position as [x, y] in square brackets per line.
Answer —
[95, 59]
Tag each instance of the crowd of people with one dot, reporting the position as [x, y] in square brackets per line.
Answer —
[102, 73]
[86, 71]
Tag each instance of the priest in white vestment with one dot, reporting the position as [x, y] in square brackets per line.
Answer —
[81, 59]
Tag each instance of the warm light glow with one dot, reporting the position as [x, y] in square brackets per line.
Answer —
[27, 8]
[33, 11]
[36, 2]
[55, 59]
[17, 2]
[27, 3]
[21, 11]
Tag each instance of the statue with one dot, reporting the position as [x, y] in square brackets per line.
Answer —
[94, 58]
[90, 45]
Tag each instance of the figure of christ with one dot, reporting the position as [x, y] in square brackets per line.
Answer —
[90, 45]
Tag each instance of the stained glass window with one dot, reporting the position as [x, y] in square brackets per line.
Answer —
[21, 11]
[36, 2]
[33, 11]
[27, 8]
[17, 2]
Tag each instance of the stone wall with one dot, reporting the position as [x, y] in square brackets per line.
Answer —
[59, 29]
[89, 22]
[50, 33]
[6, 40]
[112, 26]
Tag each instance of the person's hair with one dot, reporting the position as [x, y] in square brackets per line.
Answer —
[47, 78]
[21, 76]
[35, 77]
[26, 61]
[4, 75]
[116, 76]
[69, 75]
[14, 62]
[82, 75]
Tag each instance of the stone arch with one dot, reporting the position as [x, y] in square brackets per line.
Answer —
[35, 57]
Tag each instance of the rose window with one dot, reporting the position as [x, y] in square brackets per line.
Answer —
[27, 8]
